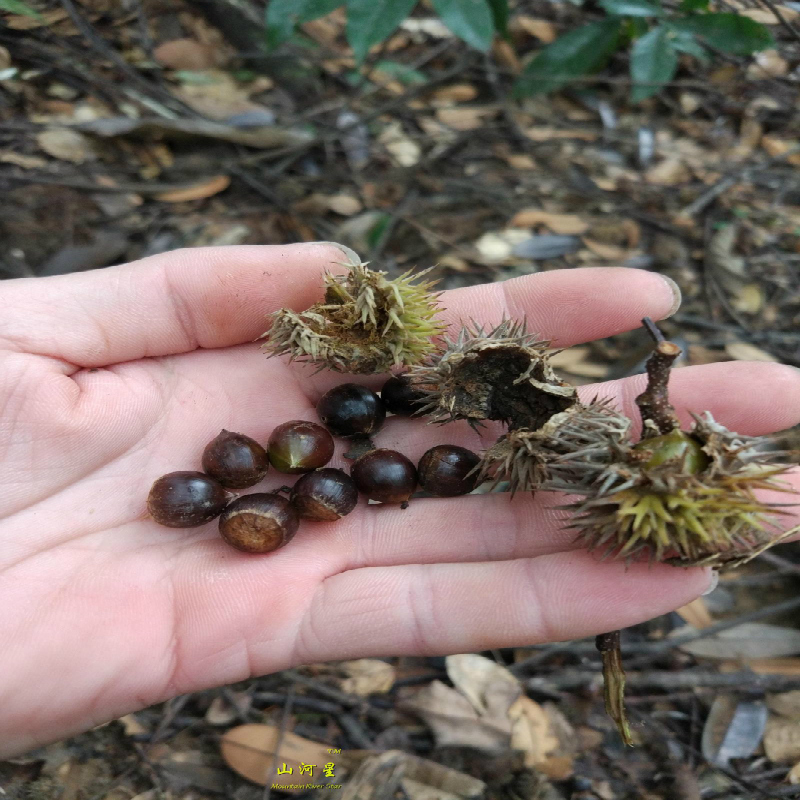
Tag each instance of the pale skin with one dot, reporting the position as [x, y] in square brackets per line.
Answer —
[109, 379]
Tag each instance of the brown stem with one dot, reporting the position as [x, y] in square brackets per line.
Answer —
[614, 682]
[658, 415]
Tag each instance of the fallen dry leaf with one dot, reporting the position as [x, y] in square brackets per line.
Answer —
[622, 232]
[455, 93]
[185, 54]
[725, 74]
[609, 252]
[748, 640]
[21, 160]
[414, 790]
[505, 55]
[265, 136]
[224, 710]
[344, 204]
[782, 739]
[696, 613]
[733, 729]
[465, 118]
[490, 687]
[19, 22]
[403, 149]
[669, 172]
[766, 17]
[218, 95]
[750, 133]
[132, 726]
[558, 768]
[542, 29]
[67, 145]
[454, 721]
[778, 147]
[540, 134]
[690, 102]
[558, 223]
[520, 161]
[744, 351]
[787, 704]
[530, 731]
[249, 750]
[367, 676]
[788, 667]
[199, 191]
[767, 64]
[497, 246]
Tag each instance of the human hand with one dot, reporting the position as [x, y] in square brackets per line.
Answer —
[109, 379]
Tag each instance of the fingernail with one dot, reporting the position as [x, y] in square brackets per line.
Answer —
[676, 296]
[714, 582]
[352, 256]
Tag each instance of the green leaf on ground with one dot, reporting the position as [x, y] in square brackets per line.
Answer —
[729, 32]
[282, 16]
[685, 42]
[470, 20]
[372, 21]
[632, 8]
[694, 5]
[403, 73]
[653, 63]
[18, 7]
[500, 16]
[579, 52]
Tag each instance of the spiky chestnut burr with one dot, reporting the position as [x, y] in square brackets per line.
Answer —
[501, 374]
[367, 323]
[569, 450]
[684, 497]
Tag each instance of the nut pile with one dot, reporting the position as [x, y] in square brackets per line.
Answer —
[265, 521]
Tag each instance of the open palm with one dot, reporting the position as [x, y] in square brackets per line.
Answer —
[111, 378]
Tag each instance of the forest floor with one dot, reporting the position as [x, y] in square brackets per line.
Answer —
[132, 128]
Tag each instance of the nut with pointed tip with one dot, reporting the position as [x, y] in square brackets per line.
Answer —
[324, 495]
[448, 470]
[385, 475]
[351, 410]
[235, 460]
[186, 499]
[299, 446]
[401, 398]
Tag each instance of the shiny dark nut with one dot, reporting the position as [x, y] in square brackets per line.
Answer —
[445, 470]
[351, 410]
[300, 446]
[235, 460]
[186, 499]
[324, 495]
[385, 475]
[400, 397]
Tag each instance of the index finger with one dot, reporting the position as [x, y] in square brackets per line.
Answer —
[168, 303]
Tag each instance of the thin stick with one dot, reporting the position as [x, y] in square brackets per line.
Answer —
[652, 329]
